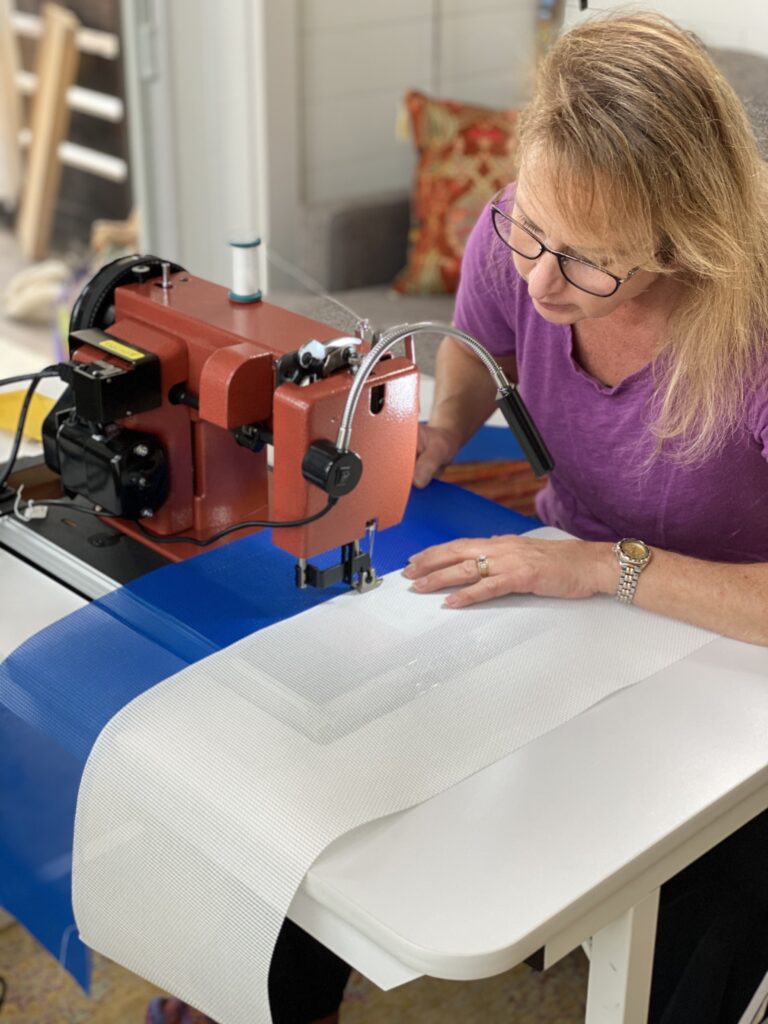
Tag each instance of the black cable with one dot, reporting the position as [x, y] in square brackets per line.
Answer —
[63, 502]
[66, 503]
[49, 371]
[34, 378]
[19, 433]
[237, 526]
[103, 514]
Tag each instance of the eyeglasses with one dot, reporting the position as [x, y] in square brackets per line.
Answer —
[582, 275]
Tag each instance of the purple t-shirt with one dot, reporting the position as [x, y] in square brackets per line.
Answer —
[598, 435]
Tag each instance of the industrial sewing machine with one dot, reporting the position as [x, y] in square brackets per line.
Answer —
[176, 393]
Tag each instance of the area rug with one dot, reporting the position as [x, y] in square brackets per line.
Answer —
[509, 483]
[40, 992]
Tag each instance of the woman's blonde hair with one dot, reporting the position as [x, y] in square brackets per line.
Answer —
[646, 143]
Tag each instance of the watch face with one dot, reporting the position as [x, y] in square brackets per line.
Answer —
[634, 549]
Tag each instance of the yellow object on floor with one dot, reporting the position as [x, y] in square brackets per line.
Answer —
[10, 408]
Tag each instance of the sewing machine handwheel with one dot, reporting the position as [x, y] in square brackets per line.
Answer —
[95, 305]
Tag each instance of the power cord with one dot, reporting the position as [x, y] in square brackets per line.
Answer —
[49, 371]
[35, 510]
[237, 526]
[38, 509]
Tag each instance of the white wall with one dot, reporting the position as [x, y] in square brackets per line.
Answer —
[243, 111]
[358, 58]
[738, 24]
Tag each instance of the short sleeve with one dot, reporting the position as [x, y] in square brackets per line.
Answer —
[487, 294]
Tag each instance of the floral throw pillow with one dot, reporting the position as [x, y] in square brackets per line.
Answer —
[465, 154]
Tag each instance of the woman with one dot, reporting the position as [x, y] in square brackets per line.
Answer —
[623, 282]
[642, 351]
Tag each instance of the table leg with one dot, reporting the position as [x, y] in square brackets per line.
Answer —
[620, 967]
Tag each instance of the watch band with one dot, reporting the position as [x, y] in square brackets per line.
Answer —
[633, 555]
[630, 574]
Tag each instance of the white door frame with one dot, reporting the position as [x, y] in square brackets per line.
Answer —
[200, 103]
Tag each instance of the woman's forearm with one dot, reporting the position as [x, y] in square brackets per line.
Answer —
[728, 599]
[465, 392]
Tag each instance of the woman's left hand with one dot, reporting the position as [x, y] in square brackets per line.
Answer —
[514, 565]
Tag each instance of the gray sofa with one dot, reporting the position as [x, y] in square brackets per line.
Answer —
[339, 254]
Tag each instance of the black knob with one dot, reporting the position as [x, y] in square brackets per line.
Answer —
[333, 471]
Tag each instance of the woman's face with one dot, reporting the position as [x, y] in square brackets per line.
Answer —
[556, 299]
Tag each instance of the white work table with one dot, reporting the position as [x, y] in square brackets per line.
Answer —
[29, 601]
[569, 837]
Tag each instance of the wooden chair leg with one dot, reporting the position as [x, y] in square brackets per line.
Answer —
[10, 110]
[56, 66]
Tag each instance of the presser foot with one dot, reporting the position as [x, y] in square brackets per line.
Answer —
[355, 569]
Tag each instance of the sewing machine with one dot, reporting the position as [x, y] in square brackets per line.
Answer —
[175, 393]
[177, 390]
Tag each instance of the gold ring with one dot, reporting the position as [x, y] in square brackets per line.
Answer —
[482, 566]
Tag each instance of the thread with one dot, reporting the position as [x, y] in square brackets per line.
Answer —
[245, 271]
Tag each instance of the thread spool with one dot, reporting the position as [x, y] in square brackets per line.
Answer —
[245, 271]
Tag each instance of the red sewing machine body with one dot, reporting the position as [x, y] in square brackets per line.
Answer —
[217, 363]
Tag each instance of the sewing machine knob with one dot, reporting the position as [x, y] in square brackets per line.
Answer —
[333, 471]
[141, 272]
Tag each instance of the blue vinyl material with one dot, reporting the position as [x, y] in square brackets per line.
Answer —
[61, 687]
[490, 444]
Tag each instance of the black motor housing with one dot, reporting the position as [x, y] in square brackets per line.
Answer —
[124, 471]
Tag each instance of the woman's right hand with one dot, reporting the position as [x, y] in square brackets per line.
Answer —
[435, 448]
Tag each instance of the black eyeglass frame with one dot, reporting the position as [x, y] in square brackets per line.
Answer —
[561, 256]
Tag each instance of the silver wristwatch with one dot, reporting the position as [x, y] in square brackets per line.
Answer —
[633, 556]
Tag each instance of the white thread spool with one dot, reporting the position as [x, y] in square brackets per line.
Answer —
[245, 271]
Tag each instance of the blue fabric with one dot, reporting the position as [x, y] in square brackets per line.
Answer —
[61, 687]
[490, 444]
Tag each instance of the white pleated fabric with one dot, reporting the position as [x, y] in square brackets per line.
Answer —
[205, 801]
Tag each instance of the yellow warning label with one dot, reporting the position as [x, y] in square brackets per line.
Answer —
[119, 349]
